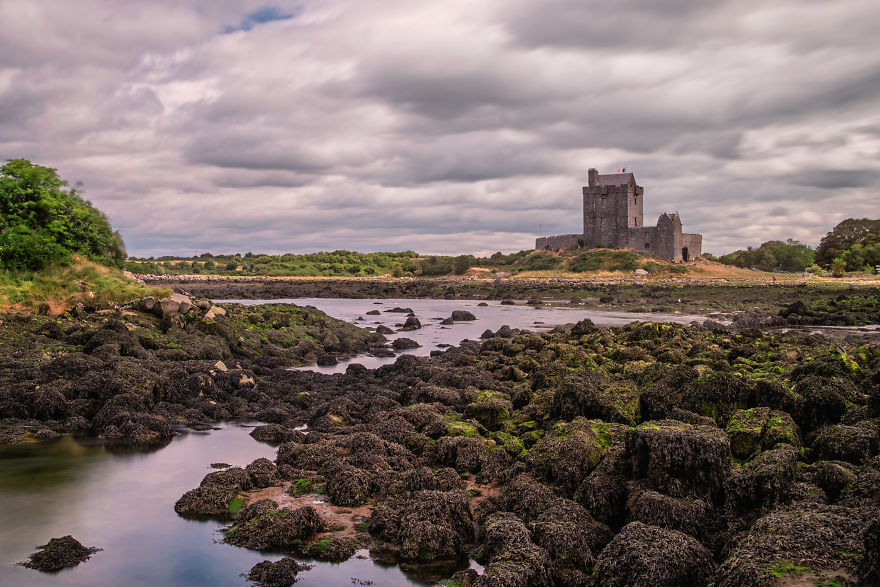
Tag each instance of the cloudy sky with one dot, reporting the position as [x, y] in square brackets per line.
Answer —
[445, 126]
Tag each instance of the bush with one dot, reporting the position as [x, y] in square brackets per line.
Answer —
[43, 222]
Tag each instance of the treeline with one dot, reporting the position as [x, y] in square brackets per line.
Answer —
[407, 263]
[853, 245]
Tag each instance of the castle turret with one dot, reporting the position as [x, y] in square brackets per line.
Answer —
[592, 177]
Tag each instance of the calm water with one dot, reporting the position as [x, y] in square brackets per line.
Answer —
[431, 312]
[122, 501]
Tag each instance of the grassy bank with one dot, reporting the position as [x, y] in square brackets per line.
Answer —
[56, 289]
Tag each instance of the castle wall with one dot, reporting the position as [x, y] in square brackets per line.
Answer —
[560, 241]
[694, 244]
[607, 211]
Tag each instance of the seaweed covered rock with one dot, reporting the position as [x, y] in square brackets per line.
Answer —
[206, 502]
[593, 395]
[60, 553]
[687, 515]
[510, 556]
[281, 573]
[796, 540]
[764, 481]
[680, 459]
[642, 555]
[263, 473]
[869, 570]
[435, 525]
[823, 400]
[464, 453]
[570, 536]
[347, 485]
[331, 548]
[275, 434]
[853, 444]
[283, 530]
[865, 489]
[567, 454]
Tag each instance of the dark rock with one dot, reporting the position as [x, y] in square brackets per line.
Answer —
[327, 360]
[504, 332]
[412, 323]
[280, 573]
[687, 515]
[487, 334]
[400, 310]
[435, 525]
[462, 315]
[205, 502]
[812, 537]
[647, 555]
[382, 329]
[275, 434]
[447, 322]
[605, 299]
[511, 558]
[508, 303]
[853, 444]
[332, 549]
[263, 473]
[763, 481]
[680, 459]
[60, 553]
[374, 313]
[281, 530]
[404, 343]
[869, 570]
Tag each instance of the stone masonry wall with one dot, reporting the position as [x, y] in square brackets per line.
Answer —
[560, 241]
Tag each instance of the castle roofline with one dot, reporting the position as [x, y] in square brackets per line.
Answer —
[615, 179]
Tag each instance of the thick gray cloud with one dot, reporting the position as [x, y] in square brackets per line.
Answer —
[447, 127]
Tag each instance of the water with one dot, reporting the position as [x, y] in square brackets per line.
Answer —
[123, 502]
[433, 335]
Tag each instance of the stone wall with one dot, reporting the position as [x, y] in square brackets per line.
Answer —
[694, 245]
[560, 241]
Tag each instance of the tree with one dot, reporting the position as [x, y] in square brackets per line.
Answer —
[842, 237]
[42, 221]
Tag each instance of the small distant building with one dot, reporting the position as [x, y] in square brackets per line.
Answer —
[613, 218]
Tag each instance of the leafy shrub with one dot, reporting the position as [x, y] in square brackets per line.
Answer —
[540, 261]
[43, 222]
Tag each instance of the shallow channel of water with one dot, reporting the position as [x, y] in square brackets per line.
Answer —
[123, 502]
[430, 312]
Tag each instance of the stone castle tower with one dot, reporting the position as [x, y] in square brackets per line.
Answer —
[614, 218]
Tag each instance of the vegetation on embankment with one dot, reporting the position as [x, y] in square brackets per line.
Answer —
[56, 249]
[56, 289]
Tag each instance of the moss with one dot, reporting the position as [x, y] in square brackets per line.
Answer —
[303, 485]
[320, 546]
[235, 504]
[457, 428]
[779, 568]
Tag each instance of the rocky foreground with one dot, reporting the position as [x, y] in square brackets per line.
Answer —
[650, 454]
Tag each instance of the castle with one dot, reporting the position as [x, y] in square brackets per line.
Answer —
[613, 218]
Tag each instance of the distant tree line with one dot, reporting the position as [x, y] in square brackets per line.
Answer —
[852, 245]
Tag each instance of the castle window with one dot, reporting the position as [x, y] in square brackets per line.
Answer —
[601, 222]
[647, 245]
[604, 201]
[635, 221]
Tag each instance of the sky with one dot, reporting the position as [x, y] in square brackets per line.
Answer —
[444, 126]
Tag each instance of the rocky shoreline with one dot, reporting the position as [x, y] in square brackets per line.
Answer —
[643, 454]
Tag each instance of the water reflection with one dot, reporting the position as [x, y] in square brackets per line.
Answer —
[123, 502]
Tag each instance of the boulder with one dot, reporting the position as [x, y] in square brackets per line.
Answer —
[280, 573]
[60, 553]
[853, 444]
[680, 459]
[412, 323]
[277, 530]
[402, 343]
[648, 555]
[462, 316]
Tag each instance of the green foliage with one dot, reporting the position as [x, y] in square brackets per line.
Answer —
[540, 261]
[852, 231]
[604, 259]
[44, 222]
[235, 504]
[790, 255]
[838, 267]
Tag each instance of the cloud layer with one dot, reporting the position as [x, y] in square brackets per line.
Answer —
[444, 127]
